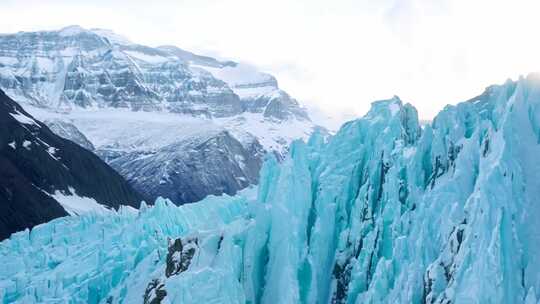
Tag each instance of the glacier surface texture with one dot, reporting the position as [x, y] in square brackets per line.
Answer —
[385, 211]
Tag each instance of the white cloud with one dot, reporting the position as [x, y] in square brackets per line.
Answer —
[339, 55]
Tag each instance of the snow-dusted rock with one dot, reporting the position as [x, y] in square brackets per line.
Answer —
[114, 91]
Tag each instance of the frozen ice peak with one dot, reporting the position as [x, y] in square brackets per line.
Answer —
[393, 118]
[386, 107]
[391, 111]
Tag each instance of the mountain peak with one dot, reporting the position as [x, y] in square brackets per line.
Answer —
[71, 30]
[112, 36]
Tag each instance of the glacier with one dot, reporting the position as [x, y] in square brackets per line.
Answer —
[384, 211]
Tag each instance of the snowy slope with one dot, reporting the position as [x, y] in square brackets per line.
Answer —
[382, 212]
[44, 176]
[127, 101]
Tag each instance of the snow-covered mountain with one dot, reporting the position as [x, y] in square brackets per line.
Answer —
[44, 176]
[136, 106]
[385, 211]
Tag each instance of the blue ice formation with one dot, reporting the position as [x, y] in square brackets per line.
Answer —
[385, 211]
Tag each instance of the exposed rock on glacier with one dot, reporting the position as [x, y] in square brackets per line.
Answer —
[180, 255]
[154, 293]
[382, 212]
[91, 85]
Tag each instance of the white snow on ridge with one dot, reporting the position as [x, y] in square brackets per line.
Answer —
[272, 135]
[24, 119]
[52, 153]
[246, 93]
[245, 81]
[77, 205]
[240, 74]
[145, 57]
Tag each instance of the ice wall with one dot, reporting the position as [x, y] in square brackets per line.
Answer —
[384, 212]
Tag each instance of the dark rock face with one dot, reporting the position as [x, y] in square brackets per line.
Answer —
[35, 162]
[189, 170]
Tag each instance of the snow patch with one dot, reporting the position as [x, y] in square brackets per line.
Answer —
[249, 93]
[26, 144]
[77, 205]
[52, 152]
[24, 119]
[272, 135]
[145, 57]
[241, 74]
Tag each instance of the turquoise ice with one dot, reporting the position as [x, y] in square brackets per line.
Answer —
[385, 211]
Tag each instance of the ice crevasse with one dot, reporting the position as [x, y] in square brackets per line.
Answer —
[385, 211]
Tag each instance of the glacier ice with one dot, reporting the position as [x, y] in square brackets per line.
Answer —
[385, 211]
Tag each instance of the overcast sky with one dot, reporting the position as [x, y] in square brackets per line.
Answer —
[339, 55]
